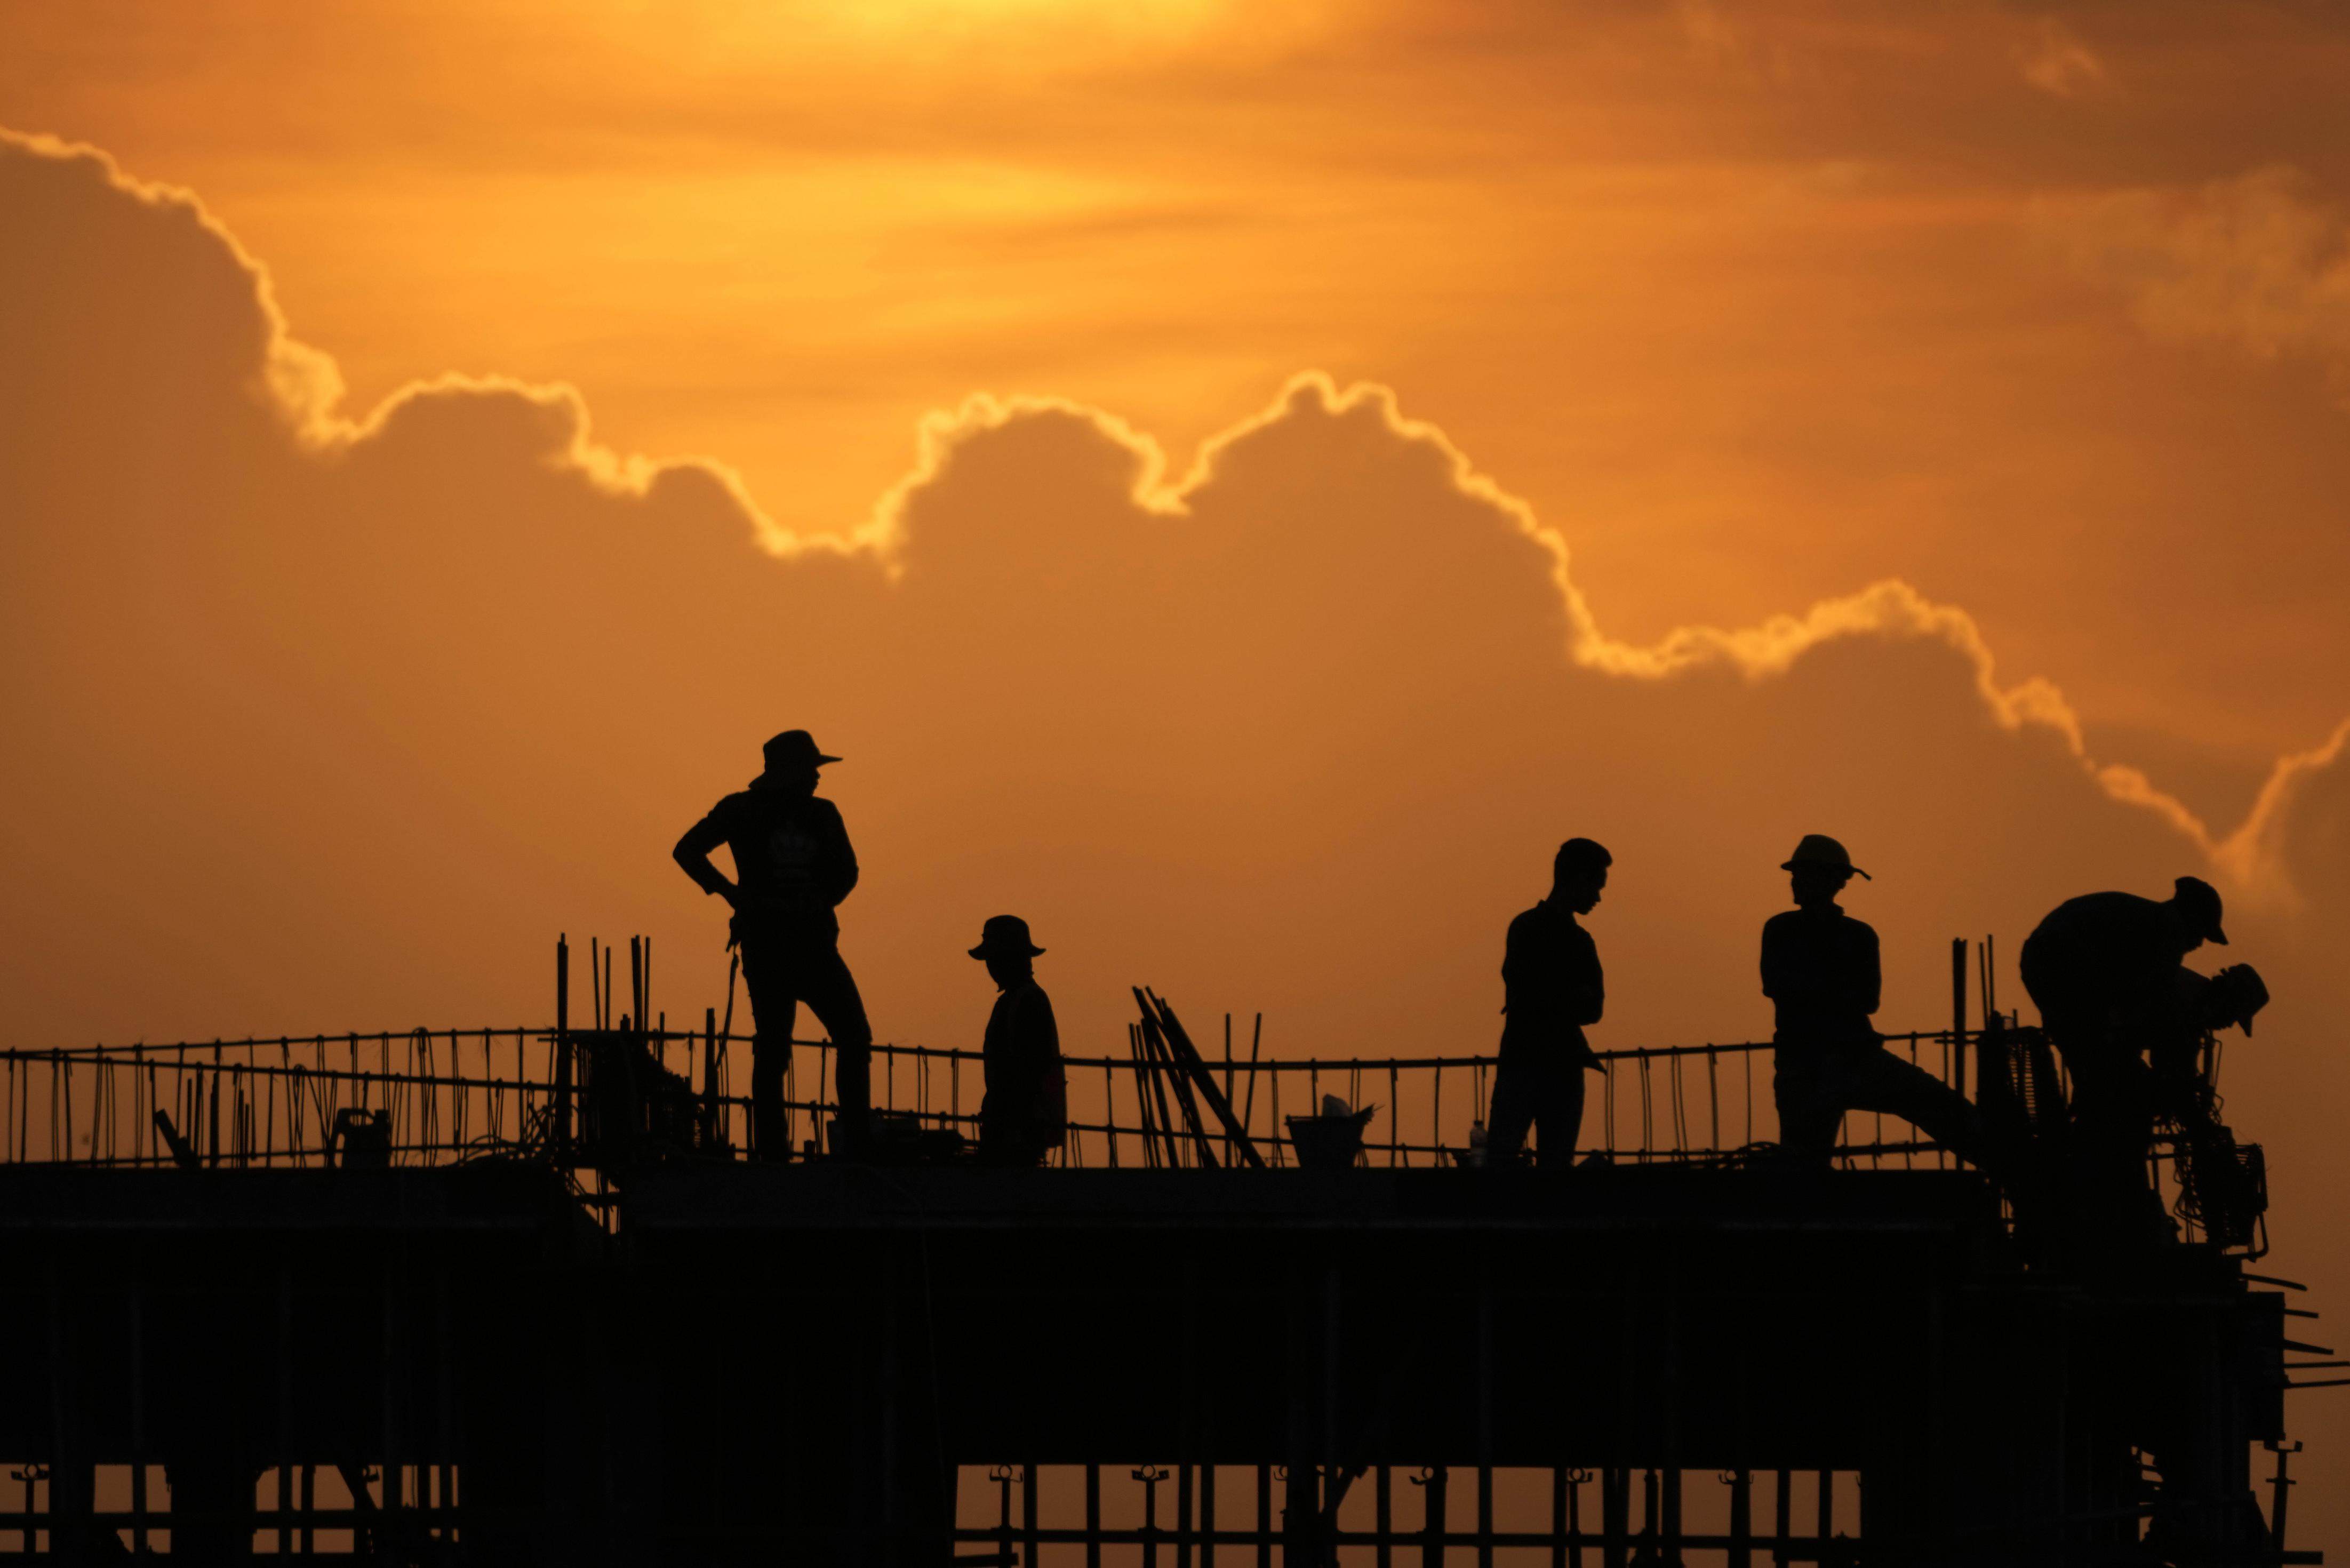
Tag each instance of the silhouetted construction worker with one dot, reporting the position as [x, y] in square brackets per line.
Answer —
[793, 865]
[2204, 1512]
[2103, 970]
[1820, 970]
[1026, 1112]
[2231, 999]
[1552, 987]
[2214, 1182]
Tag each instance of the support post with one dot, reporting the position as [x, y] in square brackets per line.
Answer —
[1485, 1414]
[1384, 1515]
[1959, 1013]
[1207, 1516]
[1264, 1516]
[1616, 1517]
[1431, 1551]
[1028, 1541]
[1183, 1512]
[2280, 1493]
[1300, 1516]
[562, 1134]
[1093, 1516]
[711, 1136]
[1558, 1516]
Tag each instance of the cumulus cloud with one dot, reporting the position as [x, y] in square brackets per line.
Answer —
[1889, 608]
[462, 583]
[297, 382]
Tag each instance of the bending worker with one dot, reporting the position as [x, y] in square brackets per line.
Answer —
[1820, 970]
[1551, 988]
[2231, 999]
[793, 865]
[2103, 970]
[1026, 1113]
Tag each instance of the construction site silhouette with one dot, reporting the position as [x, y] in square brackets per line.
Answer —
[559, 1293]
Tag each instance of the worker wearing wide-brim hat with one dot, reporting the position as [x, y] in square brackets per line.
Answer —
[1024, 1114]
[1817, 849]
[1822, 973]
[793, 866]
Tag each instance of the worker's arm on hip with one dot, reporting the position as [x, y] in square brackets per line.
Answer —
[838, 869]
[692, 856]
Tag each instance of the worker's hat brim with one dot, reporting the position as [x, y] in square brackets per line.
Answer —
[795, 749]
[1012, 950]
[1831, 865]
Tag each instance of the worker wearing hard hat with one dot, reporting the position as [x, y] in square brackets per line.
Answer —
[2231, 999]
[2105, 971]
[793, 865]
[2101, 969]
[1820, 971]
[1026, 1113]
[1552, 987]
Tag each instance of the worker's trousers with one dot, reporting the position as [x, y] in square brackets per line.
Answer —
[781, 972]
[1540, 1089]
[1814, 1085]
[2109, 1199]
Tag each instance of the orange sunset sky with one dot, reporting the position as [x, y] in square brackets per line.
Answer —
[1237, 481]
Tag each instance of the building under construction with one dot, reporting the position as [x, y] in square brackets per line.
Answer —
[512, 1295]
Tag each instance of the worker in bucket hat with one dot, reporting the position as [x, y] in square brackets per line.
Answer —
[1025, 1115]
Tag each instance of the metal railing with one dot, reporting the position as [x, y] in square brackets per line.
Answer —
[426, 1097]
